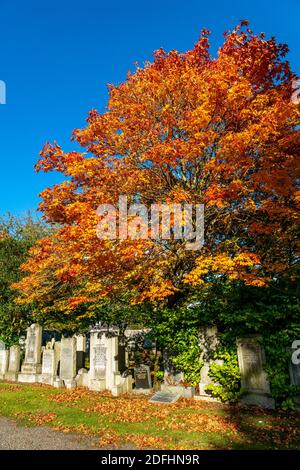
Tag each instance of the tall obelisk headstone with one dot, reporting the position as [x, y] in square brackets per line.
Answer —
[32, 366]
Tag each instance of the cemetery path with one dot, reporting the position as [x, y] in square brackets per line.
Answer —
[15, 437]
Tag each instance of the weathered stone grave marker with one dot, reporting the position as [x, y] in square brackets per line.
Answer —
[208, 342]
[4, 356]
[48, 367]
[165, 397]
[80, 351]
[67, 371]
[32, 367]
[251, 359]
[13, 363]
[142, 377]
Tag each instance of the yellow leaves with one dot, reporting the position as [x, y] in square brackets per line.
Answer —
[244, 266]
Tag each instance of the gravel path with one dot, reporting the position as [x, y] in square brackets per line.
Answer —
[15, 437]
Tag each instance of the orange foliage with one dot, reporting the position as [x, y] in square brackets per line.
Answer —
[185, 128]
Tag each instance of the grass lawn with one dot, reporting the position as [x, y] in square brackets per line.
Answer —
[131, 420]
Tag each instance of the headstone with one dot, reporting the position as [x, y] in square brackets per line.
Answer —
[104, 363]
[122, 366]
[48, 367]
[67, 371]
[32, 367]
[208, 343]
[57, 349]
[294, 370]
[98, 361]
[81, 351]
[82, 378]
[4, 357]
[142, 377]
[13, 364]
[251, 359]
[165, 397]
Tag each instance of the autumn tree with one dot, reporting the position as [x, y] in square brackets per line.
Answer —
[185, 128]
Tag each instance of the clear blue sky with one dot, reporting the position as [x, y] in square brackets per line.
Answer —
[56, 58]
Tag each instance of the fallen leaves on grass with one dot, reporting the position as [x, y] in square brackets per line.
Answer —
[72, 396]
[38, 419]
[11, 388]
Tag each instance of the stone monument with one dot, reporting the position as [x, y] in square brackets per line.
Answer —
[251, 357]
[67, 371]
[104, 363]
[142, 377]
[32, 367]
[81, 351]
[13, 364]
[294, 370]
[48, 367]
[208, 342]
[4, 357]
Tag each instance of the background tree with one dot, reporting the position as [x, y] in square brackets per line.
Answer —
[17, 235]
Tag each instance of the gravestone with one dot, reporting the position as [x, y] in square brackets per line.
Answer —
[48, 367]
[98, 361]
[13, 364]
[4, 357]
[165, 397]
[208, 343]
[32, 367]
[67, 371]
[122, 358]
[142, 377]
[81, 351]
[57, 349]
[294, 370]
[104, 363]
[251, 359]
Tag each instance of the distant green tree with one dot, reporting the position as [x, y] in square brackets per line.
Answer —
[17, 235]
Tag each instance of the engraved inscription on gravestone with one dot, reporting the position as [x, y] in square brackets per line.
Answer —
[65, 365]
[251, 358]
[252, 366]
[100, 361]
[164, 397]
[295, 373]
[31, 348]
[142, 377]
